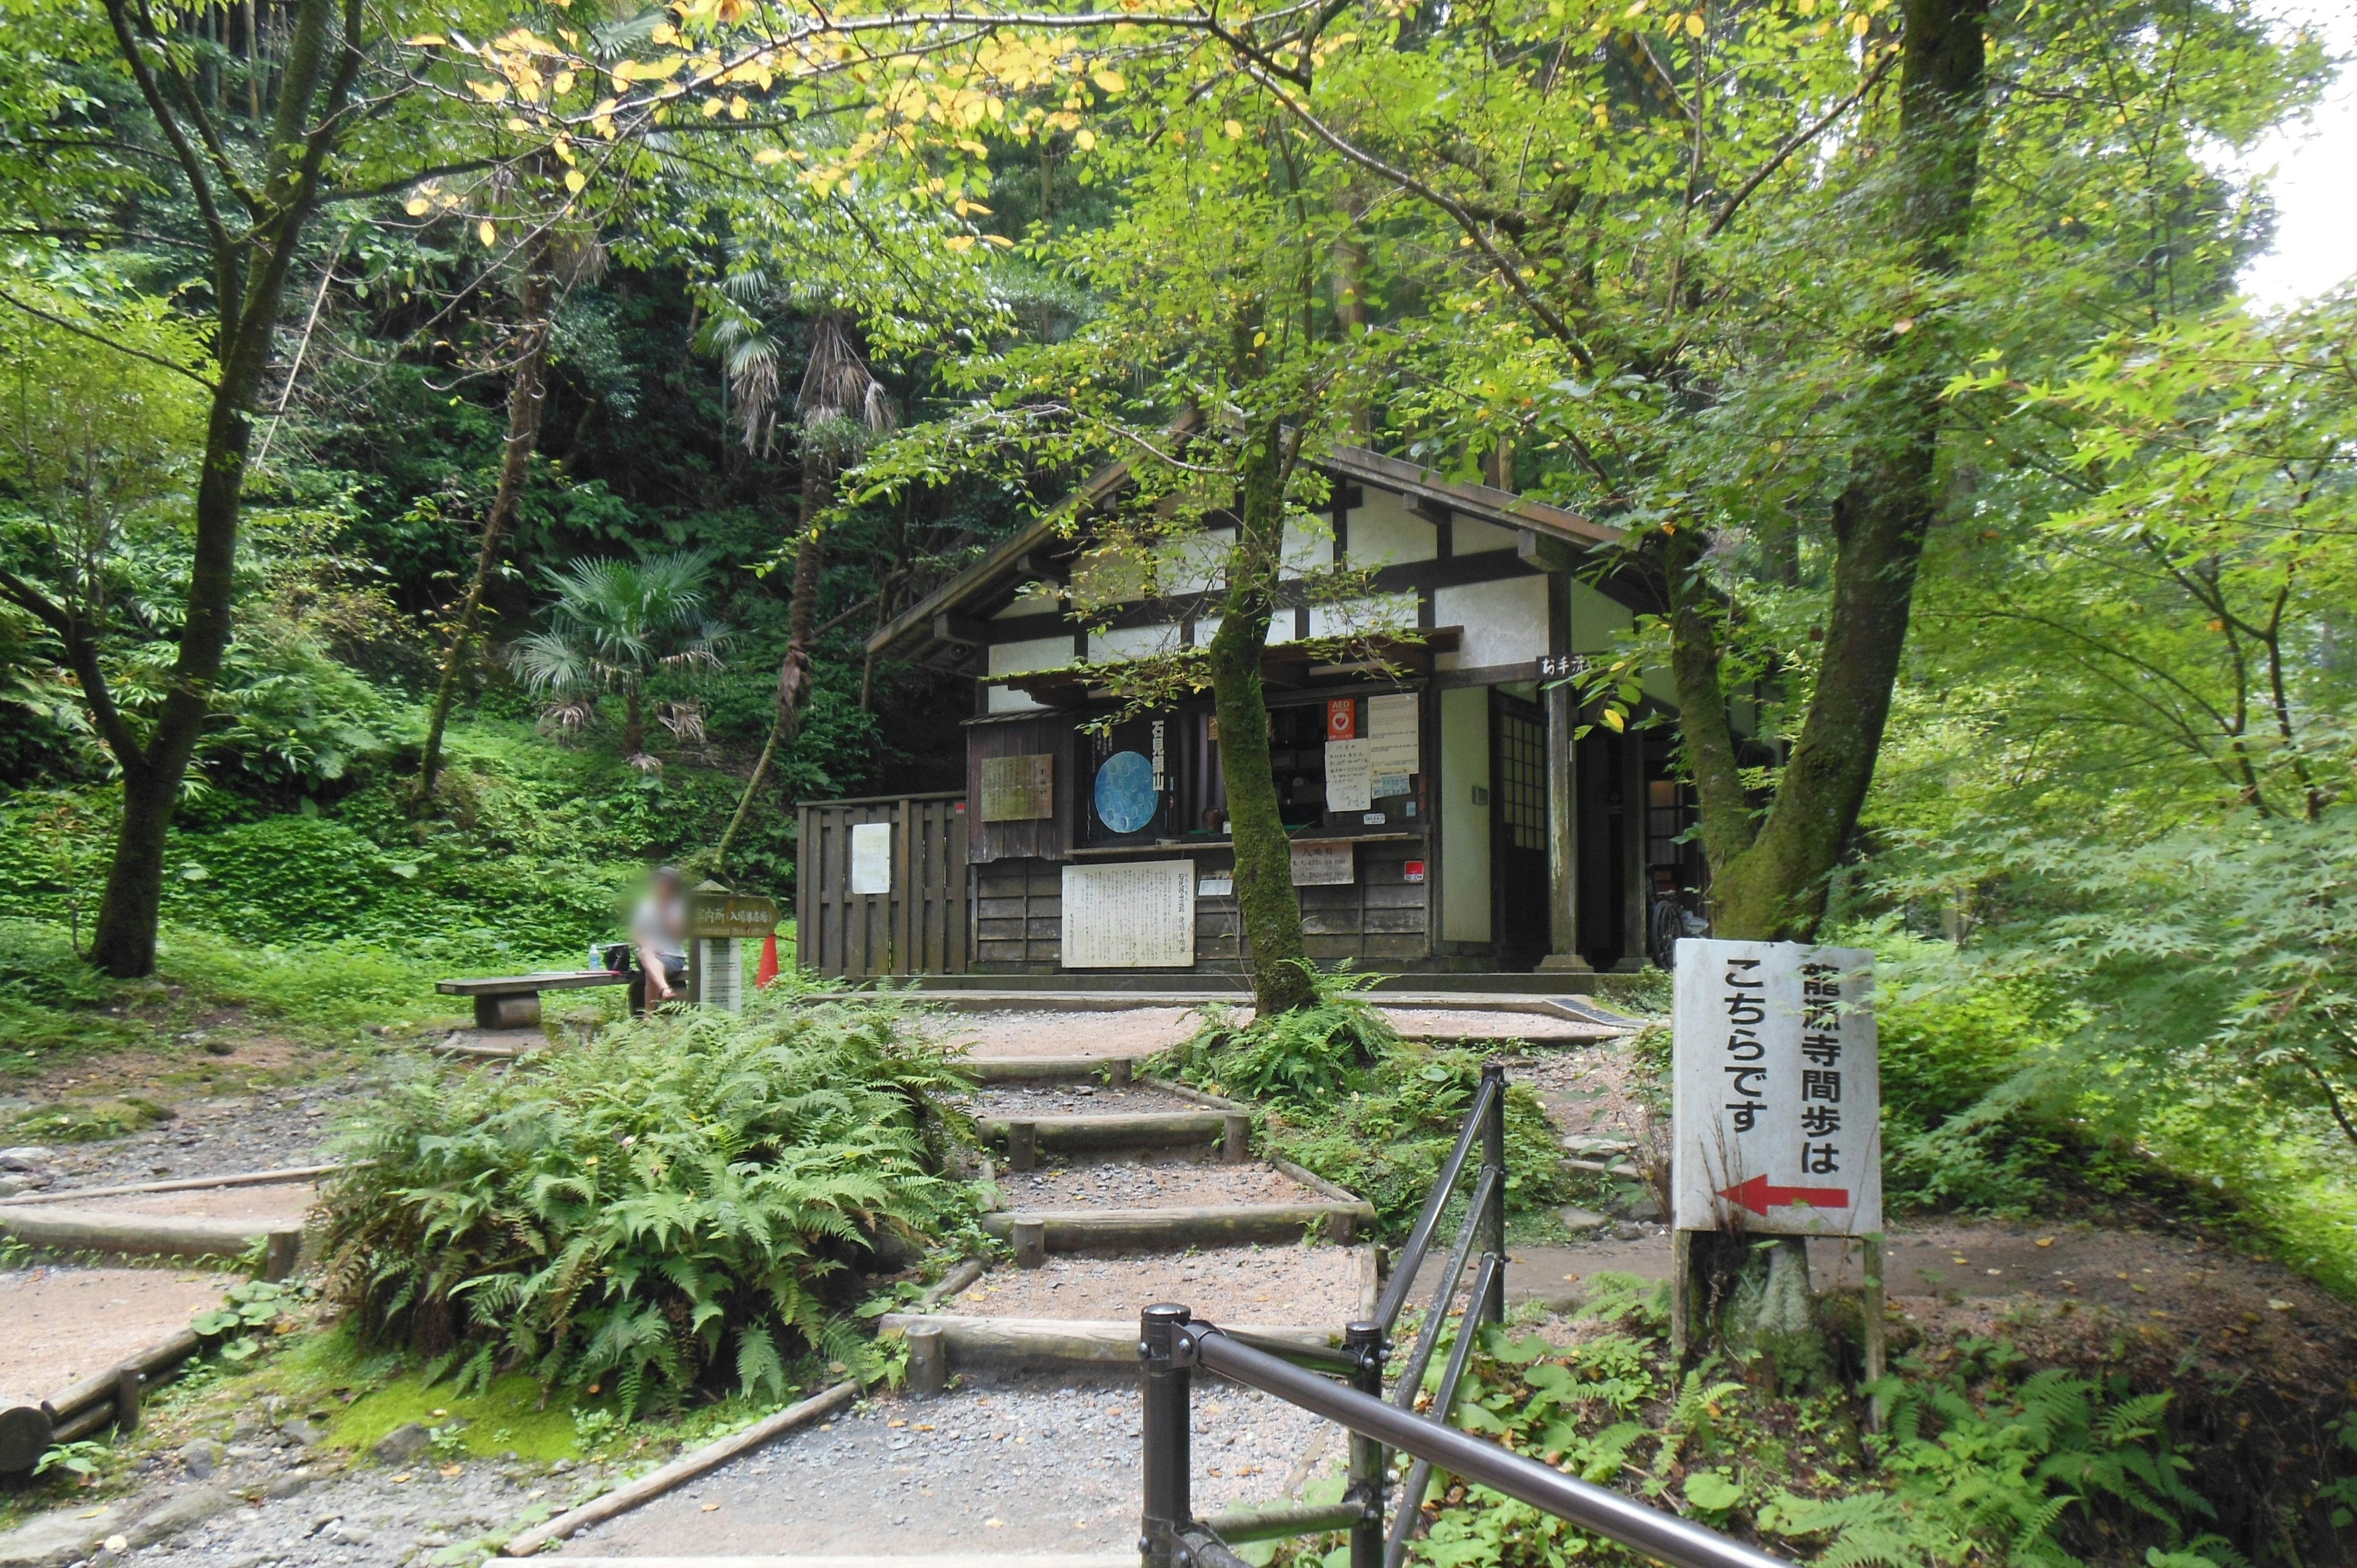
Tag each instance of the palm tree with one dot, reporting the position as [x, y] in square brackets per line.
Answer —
[614, 624]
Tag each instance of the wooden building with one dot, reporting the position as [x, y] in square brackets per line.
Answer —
[1445, 816]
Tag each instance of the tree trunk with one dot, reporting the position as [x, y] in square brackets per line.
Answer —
[527, 397]
[1770, 883]
[634, 720]
[1264, 872]
[801, 621]
[249, 280]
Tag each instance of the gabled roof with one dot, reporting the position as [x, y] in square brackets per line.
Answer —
[1004, 565]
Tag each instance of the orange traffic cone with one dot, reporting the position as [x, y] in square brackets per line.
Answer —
[768, 971]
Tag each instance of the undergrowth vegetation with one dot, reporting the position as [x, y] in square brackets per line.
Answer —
[681, 1204]
[1982, 1460]
[1343, 1095]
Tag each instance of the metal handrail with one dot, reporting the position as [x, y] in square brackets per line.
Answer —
[1419, 1238]
[1172, 1344]
[1444, 1401]
[1411, 1377]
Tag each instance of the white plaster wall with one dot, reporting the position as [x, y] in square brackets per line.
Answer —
[1596, 620]
[1505, 621]
[1198, 563]
[1360, 617]
[1309, 546]
[1464, 826]
[1471, 536]
[1383, 532]
[1004, 700]
[1037, 653]
[1028, 605]
[1132, 642]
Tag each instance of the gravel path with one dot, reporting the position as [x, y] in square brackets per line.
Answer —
[1069, 1100]
[1111, 1185]
[1032, 1464]
[1110, 1032]
[66, 1323]
[214, 1137]
[1308, 1287]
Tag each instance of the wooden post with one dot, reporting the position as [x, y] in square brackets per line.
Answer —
[1022, 1145]
[126, 1400]
[1030, 1243]
[1562, 834]
[1235, 1139]
[1872, 1301]
[929, 1368]
[1681, 1295]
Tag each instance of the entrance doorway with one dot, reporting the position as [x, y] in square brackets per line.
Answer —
[1518, 815]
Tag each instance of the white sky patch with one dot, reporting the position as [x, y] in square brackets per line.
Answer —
[2310, 166]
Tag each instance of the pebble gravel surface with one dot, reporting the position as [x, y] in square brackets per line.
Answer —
[1111, 1186]
[1069, 1100]
[1316, 1287]
[1031, 1465]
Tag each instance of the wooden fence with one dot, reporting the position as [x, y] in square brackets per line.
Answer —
[922, 926]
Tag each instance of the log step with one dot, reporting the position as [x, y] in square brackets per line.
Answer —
[1115, 1071]
[974, 1344]
[1027, 1137]
[1039, 1231]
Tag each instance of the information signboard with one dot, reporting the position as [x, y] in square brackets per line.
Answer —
[1779, 1090]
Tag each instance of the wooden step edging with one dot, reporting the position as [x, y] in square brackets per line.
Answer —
[72, 1231]
[1027, 1137]
[185, 1184]
[1113, 1071]
[1039, 1231]
[687, 1466]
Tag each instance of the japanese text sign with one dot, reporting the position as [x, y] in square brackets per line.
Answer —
[1779, 1120]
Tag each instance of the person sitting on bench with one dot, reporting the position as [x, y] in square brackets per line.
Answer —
[659, 934]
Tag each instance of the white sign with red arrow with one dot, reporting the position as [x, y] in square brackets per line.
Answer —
[1779, 1090]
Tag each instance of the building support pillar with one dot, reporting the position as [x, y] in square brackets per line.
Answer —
[1562, 835]
[1637, 895]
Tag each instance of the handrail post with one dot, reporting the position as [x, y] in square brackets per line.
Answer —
[1368, 1459]
[1169, 1507]
[1493, 1157]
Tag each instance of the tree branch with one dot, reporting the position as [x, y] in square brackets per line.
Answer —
[1793, 144]
[119, 348]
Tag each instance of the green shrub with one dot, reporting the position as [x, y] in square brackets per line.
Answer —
[683, 1201]
[1302, 1058]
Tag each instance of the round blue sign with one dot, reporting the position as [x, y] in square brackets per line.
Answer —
[1126, 799]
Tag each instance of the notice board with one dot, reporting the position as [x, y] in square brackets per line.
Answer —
[1129, 915]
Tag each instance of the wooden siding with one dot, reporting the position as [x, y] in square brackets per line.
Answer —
[922, 927]
[1046, 838]
[1381, 919]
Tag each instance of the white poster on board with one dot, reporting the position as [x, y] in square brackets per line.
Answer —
[871, 858]
[1779, 1090]
[1392, 737]
[1350, 779]
[1136, 914]
[1324, 864]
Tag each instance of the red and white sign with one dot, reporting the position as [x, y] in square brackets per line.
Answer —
[1779, 1120]
[1341, 718]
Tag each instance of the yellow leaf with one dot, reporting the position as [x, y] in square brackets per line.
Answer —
[1695, 28]
[999, 240]
[960, 241]
[488, 233]
[517, 124]
[564, 83]
[1234, 129]
[488, 91]
[574, 179]
[1858, 24]
[416, 206]
[1612, 720]
[768, 155]
[738, 108]
[1084, 138]
[1109, 81]
[427, 41]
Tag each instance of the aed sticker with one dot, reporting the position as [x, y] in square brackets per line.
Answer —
[1342, 718]
[1412, 871]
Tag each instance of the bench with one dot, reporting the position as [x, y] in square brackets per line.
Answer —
[512, 1002]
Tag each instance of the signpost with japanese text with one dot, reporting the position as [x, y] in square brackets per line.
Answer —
[1778, 1127]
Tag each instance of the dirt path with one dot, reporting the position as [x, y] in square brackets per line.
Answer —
[66, 1324]
[1029, 1464]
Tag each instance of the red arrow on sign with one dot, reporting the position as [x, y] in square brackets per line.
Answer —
[1756, 1195]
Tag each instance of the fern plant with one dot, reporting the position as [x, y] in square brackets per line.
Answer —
[681, 1201]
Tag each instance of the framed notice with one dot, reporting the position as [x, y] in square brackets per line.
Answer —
[1779, 1090]
[1350, 780]
[1131, 914]
[871, 858]
[1392, 737]
[1324, 864]
[1018, 789]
